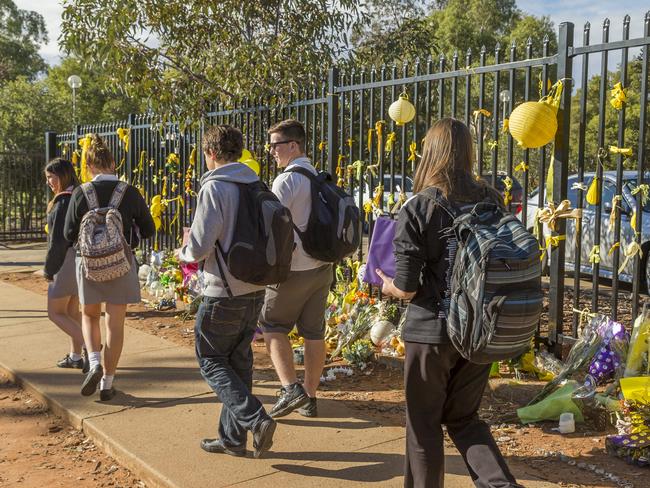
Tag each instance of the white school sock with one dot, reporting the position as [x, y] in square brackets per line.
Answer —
[74, 356]
[107, 382]
[94, 358]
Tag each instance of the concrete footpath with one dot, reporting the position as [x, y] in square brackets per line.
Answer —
[163, 408]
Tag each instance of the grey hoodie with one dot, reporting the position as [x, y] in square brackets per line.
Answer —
[214, 219]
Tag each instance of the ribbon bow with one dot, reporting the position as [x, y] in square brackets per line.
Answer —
[579, 185]
[124, 136]
[357, 166]
[507, 196]
[390, 141]
[632, 250]
[492, 144]
[322, 145]
[412, 153]
[618, 96]
[552, 241]
[644, 190]
[625, 151]
[616, 199]
[594, 255]
[551, 214]
[523, 167]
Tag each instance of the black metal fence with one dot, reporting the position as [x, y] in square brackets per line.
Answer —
[23, 197]
[350, 135]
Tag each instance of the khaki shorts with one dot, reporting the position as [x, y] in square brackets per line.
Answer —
[301, 301]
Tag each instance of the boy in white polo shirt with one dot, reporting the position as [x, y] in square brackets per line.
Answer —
[301, 299]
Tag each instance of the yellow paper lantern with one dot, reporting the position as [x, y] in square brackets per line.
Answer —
[402, 110]
[252, 164]
[534, 124]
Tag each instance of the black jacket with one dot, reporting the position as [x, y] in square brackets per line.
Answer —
[133, 209]
[422, 264]
[57, 245]
[424, 255]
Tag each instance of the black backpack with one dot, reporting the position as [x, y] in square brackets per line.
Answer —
[262, 243]
[333, 230]
[496, 286]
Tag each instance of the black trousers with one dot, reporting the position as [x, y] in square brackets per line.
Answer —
[443, 388]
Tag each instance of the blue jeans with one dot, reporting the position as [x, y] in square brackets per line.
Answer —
[223, 333]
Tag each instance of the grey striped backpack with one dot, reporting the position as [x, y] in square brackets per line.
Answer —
[496, 289]
[105, 254]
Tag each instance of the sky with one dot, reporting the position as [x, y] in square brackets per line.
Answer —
[576, 11]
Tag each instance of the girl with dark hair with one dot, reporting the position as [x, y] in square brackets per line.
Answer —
[59, 269]
[441, 386]
[115, 293]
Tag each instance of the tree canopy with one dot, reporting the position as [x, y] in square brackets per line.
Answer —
[183, 56]
[21, 34]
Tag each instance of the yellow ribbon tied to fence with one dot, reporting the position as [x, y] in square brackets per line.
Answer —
[412, 152]
[552, 241]
[85, 143]
[645, 192]
[579, 185]
[124, 136]
[625, 151]
[322, 145]
[379, 129]
[632, 250]
[372, 168]
[350, 143]
[618, 96]
[551, 214]
[616, 200]
[594, 255]
[614, 247]
[390, 142]
[356, 168]
[370, 132]
[507, 195]
[522, 167]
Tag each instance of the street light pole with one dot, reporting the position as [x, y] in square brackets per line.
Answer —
[74, 82]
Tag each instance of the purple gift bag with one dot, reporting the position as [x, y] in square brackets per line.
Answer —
[380, 253]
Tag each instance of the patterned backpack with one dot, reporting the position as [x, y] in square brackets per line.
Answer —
[496, 288]
[105, 254]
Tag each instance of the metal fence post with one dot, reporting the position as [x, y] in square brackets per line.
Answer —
[332, 121]
[50, 145]
[130, 154]
[560, 164]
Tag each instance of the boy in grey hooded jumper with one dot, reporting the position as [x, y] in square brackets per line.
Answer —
[225, 323]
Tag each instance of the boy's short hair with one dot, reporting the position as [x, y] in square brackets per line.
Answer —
[291, 130]
[224, 141]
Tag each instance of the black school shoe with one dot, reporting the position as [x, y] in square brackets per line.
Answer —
[89, 385]
[263, 437]
[107, 394]
[217, 446]
[309, 410]
[290, 398]
[68, 362]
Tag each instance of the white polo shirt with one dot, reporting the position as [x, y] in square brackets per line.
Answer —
[294, 191]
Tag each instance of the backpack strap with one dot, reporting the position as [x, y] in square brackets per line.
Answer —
[118, 194]
[303, 171]
[436, 196]
[219, 250]
[91, 195]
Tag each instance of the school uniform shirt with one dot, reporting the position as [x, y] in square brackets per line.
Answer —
[294, 192]
[133, 209]
[57, 245]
